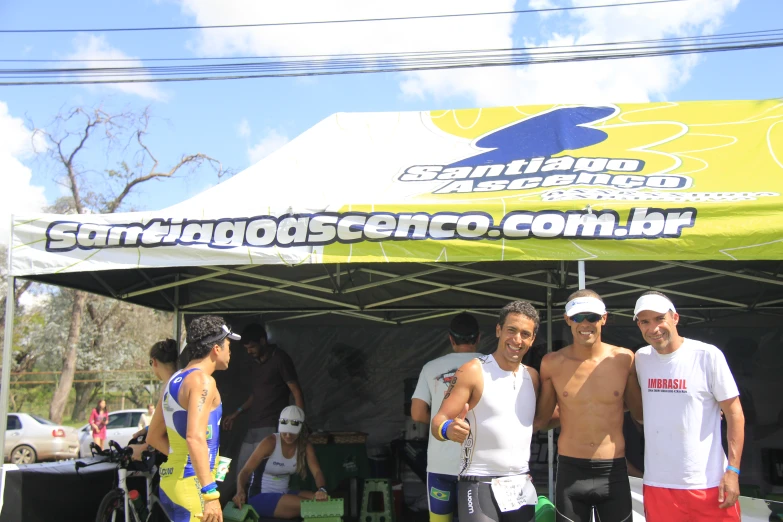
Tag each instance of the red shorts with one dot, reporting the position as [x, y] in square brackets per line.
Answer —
[686, 505]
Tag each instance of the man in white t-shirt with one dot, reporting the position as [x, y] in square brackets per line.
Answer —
[685, 385]
[443, 459]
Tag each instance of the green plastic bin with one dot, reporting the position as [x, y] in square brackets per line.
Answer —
[320, 509]
[232, 514]
[545, 510]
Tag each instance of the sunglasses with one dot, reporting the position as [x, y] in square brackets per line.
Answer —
[291, 422]
[150, 362]
[591, 318]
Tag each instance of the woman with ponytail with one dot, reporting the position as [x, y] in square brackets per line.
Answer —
[163, 360]
[289, 453]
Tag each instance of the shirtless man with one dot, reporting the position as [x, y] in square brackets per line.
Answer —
[489, 409]
[588, 381]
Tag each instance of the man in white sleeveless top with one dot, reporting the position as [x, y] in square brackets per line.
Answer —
[685, 385]
[443, 459]
[489, 409]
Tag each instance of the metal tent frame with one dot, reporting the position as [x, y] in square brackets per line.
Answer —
[406, 293]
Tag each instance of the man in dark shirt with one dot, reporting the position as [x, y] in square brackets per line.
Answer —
[272, 380]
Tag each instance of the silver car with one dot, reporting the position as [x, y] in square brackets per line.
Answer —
[121, 427]
[30, 438]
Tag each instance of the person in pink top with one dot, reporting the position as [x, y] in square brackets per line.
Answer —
[99, 418]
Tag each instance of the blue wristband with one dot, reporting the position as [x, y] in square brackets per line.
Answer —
[732, 468]
[444, 429]
[209, 487]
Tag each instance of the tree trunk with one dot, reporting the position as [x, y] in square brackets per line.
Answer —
[60, 397]
[84, 394]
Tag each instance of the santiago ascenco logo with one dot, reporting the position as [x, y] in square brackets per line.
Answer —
[520, 156]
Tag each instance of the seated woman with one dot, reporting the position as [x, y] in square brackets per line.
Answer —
[287, 451]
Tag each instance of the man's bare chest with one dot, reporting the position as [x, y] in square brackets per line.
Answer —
[590, 381]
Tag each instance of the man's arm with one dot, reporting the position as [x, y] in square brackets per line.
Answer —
[421, 400]
[296, 391]
[535, 378]
[420, 411]
[228, 421]
[728, 491]
[633, 471]
[547, 399]
[633, 393]
[457, 402]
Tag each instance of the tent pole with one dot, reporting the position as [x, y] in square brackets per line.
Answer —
[177, 316]
[10, 312]
[177, 333]
[581, 265]
[550, 434]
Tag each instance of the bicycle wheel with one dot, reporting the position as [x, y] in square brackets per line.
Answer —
[112, 508]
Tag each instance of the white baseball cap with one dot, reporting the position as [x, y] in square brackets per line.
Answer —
[653, 302]
[291, 420]
[581, 305]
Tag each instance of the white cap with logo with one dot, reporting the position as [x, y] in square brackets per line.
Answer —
[291, 420]
[580, 305]
[653, 302]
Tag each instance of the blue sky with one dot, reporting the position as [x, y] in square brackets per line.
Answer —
[239, 121]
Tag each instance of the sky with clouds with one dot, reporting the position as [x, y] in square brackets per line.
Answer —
[241, 122]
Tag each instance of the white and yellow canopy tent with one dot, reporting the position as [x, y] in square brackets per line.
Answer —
[399, 218]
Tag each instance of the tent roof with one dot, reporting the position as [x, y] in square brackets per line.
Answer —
[458, 209]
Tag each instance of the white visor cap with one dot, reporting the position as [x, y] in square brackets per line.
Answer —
[653, 302]
[291, 420]
[582, 305]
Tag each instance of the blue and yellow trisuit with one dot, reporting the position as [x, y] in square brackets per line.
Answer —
[180, 491]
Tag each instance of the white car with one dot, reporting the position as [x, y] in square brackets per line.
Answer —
[30, 438]
[121, 427]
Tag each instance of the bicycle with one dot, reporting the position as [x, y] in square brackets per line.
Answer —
[116, 505]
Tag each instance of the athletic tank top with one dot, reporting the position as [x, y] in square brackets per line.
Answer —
[501, 424]
[278, 470]
[176, 419]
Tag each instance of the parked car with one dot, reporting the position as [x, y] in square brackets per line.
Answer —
[121, 427]
[30, 438]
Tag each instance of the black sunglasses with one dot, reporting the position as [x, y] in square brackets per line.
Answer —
[150, 362]
[291, 422]
[591, 318]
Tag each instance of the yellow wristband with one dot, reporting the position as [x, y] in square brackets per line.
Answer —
[212, 495]
[439, 435]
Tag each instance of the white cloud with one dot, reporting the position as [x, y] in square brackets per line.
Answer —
[18, 195]
[244, 128]
[271, 141]
[615, 80]
[98, 48]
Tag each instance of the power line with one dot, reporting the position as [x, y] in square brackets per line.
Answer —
[722, 36]
[321, 22]
[366, 64]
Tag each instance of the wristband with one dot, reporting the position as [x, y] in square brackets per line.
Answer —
[323, 489]
[209, 487]
[239, 410]
[212, 495]
[732, 468]
[444, 428]
[438, 434]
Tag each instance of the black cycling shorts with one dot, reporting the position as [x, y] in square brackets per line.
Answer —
[477, 504]
[584, 484]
